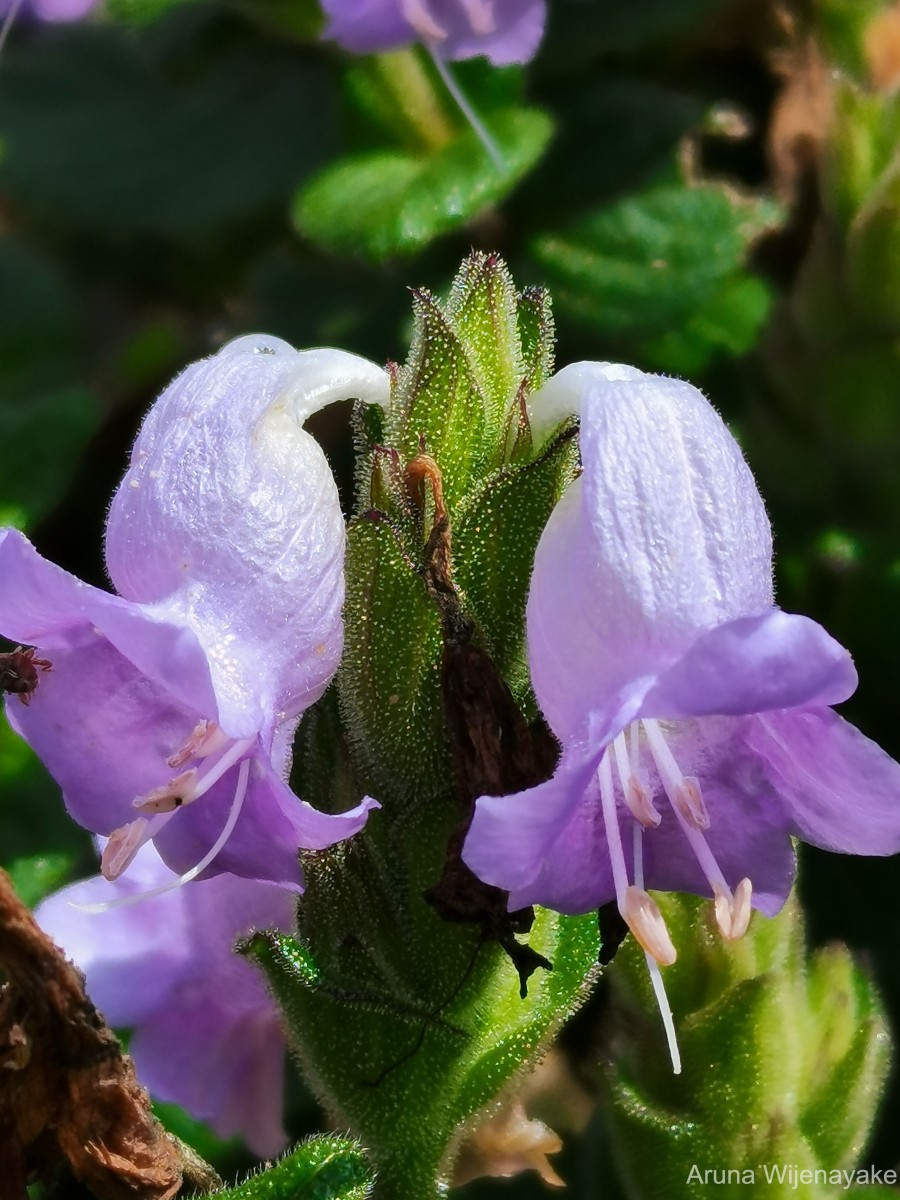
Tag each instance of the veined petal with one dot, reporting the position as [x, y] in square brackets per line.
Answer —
[229, 522]
[753, 664]
[662, 538]
[839, 789]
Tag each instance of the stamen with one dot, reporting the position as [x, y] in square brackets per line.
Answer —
[635, 787]
[123, 844]
[481, 16]
[493, 150]
[673, 779]
[646, 922]
[656, 979]
[191, 785]
[689, 802]
[422, 20]
[733, 913]
[613, 833]
[121, 848]
[235, 811]
[171, 795]
[205, 740]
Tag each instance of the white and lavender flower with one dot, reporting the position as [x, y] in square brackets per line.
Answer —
[170, 708]
[693, 713]
[505, 31]
[206, 1034]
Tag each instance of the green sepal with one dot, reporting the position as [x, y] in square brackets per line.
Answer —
[510, 508]
[323, 1168]
[389, 683]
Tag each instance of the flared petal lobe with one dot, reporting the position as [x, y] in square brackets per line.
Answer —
[206, 1034]
[505, 31]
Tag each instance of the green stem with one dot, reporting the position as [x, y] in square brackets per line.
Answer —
[409, 85]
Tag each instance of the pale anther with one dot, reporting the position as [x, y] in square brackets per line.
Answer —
[733, 912]
[642, 915]
[637, 797]
[206, 738]
[688, 799]
[177, 792]
[122, 846]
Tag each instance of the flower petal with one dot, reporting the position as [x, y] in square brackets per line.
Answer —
[840, 790]
[102, 729]
[132, 957]
[41, 604]
[776, 660]
[512, 837]
[663, 537]
[229, 521]
[272, 828]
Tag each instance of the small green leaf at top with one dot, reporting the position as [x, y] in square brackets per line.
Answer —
[384, 204]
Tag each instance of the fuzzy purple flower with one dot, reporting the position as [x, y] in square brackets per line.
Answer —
[506, 31]
[693, 714]
[206, 1033]
[170, 707]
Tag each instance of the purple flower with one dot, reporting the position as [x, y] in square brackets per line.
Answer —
[170, 708]
[692, 712]
[51, 10]
[506, 31]
[206, 1032]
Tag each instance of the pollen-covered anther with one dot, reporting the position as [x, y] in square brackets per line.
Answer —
[122, 846]
[646, 922]
[206, 738]
[172, 795]
[638, 799]
[733, 912]
[688, 799]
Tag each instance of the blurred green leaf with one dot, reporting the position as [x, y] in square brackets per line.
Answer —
[47, 415]
[38, 876]
[663, 271]
[99, 133]
[142, 12]
[387, 203]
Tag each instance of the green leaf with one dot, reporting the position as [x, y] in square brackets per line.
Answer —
[663, 272]
[142, 12]
[323, 1168]
[383, 204]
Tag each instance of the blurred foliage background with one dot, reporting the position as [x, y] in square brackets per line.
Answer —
[709, 188]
